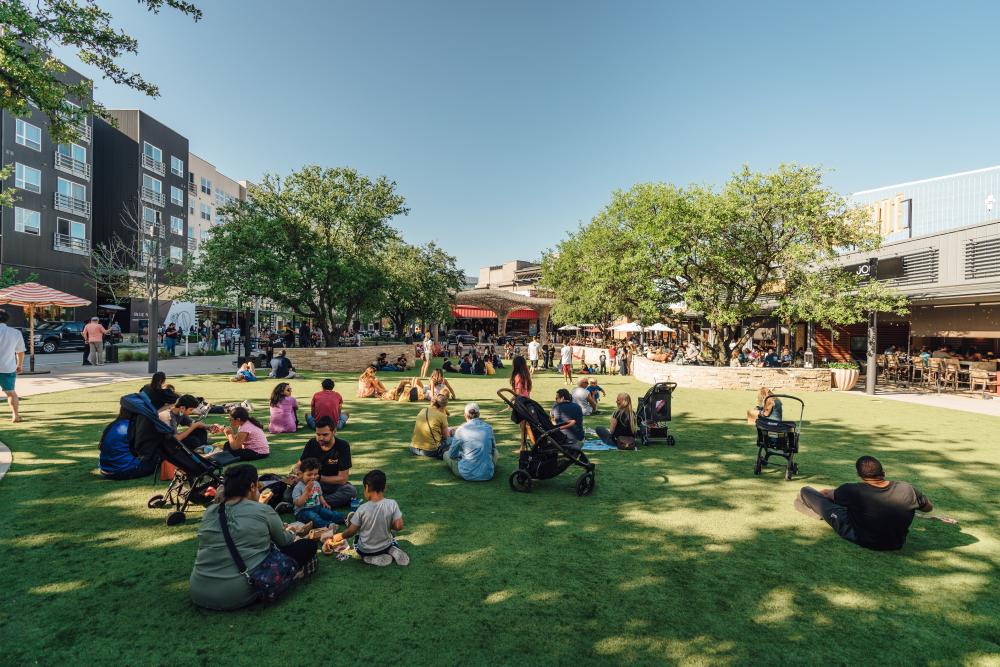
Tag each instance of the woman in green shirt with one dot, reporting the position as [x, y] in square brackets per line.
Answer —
[215, 581]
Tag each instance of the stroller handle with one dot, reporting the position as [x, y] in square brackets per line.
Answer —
[802, 405]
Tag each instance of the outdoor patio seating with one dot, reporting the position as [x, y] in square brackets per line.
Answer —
[986, 380]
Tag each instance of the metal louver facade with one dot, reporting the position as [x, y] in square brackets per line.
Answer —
[982, 258]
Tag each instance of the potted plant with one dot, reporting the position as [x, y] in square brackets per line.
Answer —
[844, 374]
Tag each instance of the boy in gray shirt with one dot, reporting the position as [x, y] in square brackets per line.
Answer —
[373, 523]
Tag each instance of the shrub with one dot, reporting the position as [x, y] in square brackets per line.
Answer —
[849, 365]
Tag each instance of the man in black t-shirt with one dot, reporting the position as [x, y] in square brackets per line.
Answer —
[334, 456]
[875, 513]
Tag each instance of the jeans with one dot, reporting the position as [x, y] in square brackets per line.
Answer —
[169, 343]
[229, 455]
[320, 516]
[311, 422]
[813, 503]
[339, 495]
[605, 435]
[432, 453]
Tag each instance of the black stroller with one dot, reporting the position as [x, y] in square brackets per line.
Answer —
[779, 438]
[196, 479]
[551, 452]
[653, 413]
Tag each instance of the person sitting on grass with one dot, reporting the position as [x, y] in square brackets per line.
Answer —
[308, 500]
[374, 522]
[159, 392]
[369, 386]
[245, 439]
[430, 430]
[449, 367]
[334, 456]
[216, 582]
[465, 368]
[117, 462]
[437, 385]
[874, 513]
[407, 390]
[281, 366]
[596, 390]
[584, 398]
[478, 365]
[767, 406]
[246, 373]
[623, 425]
[402, 363]
[178, 417]
[473, 452]
[327, 403]
[284, 410]
[568, 416]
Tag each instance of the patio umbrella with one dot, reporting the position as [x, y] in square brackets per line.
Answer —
[592, 330]
[32, 295]
[659, 326]
[628, 327]
[569, 327]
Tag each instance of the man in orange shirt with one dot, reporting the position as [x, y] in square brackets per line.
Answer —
[93, 336]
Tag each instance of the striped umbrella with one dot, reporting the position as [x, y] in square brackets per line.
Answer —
[32, 295]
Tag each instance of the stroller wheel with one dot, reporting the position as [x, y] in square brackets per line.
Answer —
[156, 502]
[520, 480]
[757, 466]
[585, 484]
[671, 441]
[175, 518]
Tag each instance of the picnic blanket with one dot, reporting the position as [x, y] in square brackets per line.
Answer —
[599, 446]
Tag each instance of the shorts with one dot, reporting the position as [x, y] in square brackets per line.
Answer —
[567, 368]
[7, 381]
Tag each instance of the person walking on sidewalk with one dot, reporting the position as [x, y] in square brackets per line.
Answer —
[11, 361]
[93, 336]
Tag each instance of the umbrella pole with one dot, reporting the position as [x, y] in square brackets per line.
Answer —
[31, 336]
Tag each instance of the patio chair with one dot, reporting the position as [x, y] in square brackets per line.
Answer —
[918, 370]
[934, 374]
[984, 379]
[950, 374]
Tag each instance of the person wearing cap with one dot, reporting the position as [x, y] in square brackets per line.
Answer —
[93, 336]
[874, 513]
[473, 452]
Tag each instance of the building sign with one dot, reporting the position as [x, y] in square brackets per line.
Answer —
[880, 269]
[892, 215]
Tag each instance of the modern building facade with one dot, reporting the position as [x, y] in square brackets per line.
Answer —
[141, 168]
[49, 230]
[514, 276]
[941, 250]
[208, 191]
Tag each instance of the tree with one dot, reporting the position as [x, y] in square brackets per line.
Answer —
[311, 242]
[419, 283]
[30, 75]
[131, 264]
[8, 277]
[764, 246]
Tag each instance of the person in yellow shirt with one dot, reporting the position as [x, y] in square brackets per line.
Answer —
[431, 432]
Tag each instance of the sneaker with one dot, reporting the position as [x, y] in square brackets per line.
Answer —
[248, 405]
[399, 556]
[380, 561]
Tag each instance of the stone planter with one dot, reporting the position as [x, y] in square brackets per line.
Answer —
[844, 379]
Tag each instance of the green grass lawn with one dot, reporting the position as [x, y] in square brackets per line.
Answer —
[681, 556]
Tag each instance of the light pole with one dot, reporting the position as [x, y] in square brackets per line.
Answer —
[872, 367]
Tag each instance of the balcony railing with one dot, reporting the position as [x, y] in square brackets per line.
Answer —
[192, 188]
[72, 166]
[150, 261]
[86, 132]
[155, 166]
[73, 205]
[155, 229]
[192, 245]
[153, 197]
[67, 243]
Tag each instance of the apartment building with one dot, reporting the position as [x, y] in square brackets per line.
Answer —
[208, 191]
[141, 167]
[49, 230]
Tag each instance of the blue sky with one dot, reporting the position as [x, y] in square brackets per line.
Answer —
[506, 124]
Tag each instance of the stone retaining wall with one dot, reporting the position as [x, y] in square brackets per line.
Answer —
[344, 359]
[724, 377]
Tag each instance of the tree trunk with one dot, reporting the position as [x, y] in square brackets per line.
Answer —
[152, 344]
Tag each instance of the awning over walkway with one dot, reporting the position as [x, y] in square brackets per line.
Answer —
[964, 321]
[471, 312]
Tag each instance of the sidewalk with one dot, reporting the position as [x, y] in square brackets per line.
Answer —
[965, 403]
[74, 377]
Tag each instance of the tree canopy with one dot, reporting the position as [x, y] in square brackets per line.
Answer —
[30, 74]
[419, 282]
[765, 244]
[313, 242]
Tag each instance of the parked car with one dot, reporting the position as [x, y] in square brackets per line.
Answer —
[57, 336]
[461, 336]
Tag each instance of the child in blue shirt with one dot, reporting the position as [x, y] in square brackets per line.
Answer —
[308, 500]
[595, 389]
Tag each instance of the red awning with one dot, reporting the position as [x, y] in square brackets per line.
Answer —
[471, 312]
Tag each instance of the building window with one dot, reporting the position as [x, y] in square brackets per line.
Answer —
[206, 212]
[72, 189]
[176, 225]
[176, 253]
[28, 135]
[151, 151]
[204, 235]
[176, 166]
[27, 221]
[176, 195]
[150, 215]
[72, 228]
[27, 178]
[153, 184]
[190, 207]
[206, 186]
[74, 151]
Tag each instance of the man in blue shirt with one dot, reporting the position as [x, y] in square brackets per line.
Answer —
[568, 416]
[473, 453]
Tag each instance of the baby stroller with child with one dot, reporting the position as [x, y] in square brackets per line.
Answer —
[653, 414]
[195, 477]
[550, 453]
[779, 438]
